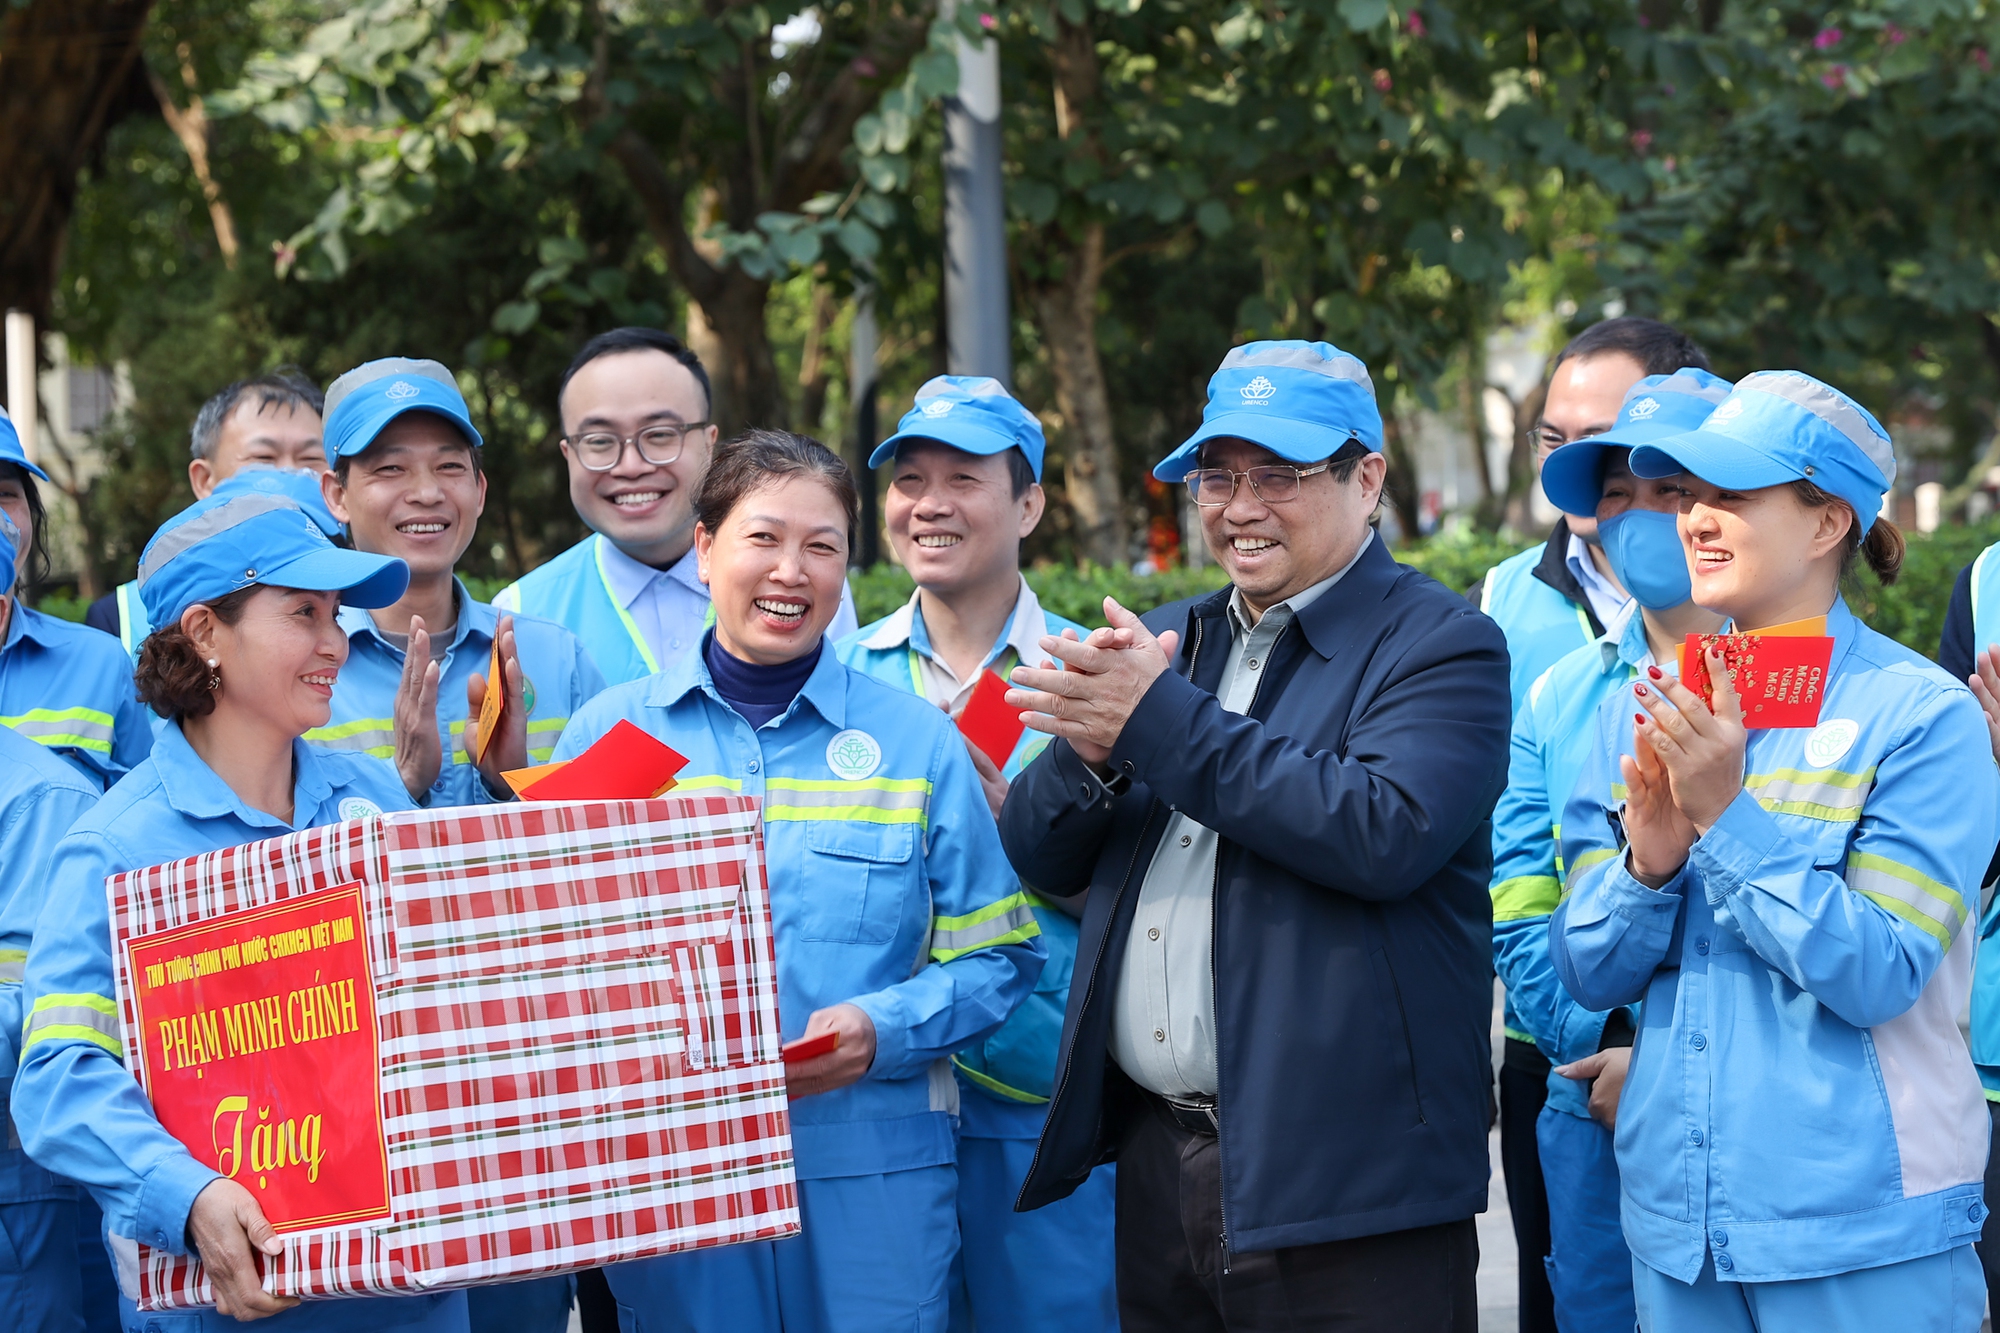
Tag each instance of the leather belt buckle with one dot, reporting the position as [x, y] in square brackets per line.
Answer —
[1196, 1117]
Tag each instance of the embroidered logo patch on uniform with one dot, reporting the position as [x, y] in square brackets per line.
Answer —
[1642, 409]
[527, 693]
[853, 755]
[357, 807]
[1830, 740]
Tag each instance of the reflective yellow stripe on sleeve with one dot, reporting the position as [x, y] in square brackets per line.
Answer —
[89, 1018]
[13, 965]
[1832, 796]
[1008, 921]
[1931, 907]
[867, 801]
[1585, 862]
[64, 728]
[1525, 896]
[545, 730]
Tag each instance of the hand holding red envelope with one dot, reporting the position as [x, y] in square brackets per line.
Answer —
[988, 722]
[624, 765]
[1780, 676]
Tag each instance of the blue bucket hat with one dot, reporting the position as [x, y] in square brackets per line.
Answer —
[11, 450]
[1655, 408]
[226, 543]
[970, 412]
[1301, 400]
[10, 551]
[295, 484]
[361, 403]
[1778, 426]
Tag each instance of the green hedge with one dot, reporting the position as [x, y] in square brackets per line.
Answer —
[1910, 611]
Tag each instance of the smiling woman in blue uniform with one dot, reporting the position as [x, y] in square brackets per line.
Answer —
[899, 924]
[1801, 1137]
[244, 591]
[65, 686]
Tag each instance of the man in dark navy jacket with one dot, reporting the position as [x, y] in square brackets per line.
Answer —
[1277, 798]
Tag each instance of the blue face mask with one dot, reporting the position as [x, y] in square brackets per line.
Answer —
[1644, 547]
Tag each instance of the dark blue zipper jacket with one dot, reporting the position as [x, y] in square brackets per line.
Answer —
[1353, 933]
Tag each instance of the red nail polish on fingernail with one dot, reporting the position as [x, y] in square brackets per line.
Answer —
[1640, 718]
[1655, 673]
[1639, 690]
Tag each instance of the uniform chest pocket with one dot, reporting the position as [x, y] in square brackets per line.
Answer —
[857, 876]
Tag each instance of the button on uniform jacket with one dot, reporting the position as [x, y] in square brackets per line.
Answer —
[1352, 948]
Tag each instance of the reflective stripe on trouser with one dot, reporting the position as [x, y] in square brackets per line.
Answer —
[89, 1018]
[1008, 921]
[866, 801]
[65, 728]
[368, 735]
[1931, 907]
[1832, 796]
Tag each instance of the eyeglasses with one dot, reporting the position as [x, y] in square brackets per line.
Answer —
[1213, 487]
[658, 445]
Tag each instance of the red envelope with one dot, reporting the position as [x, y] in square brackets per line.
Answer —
[624, 765]
[808, 1048]
[988, 722]
[1781, 678]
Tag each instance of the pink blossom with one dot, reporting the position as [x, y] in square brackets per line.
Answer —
[1893, 35]
[1835, 76]
[1669, 161]
[1828, 37]
[1383, 83]
[864, 67]
[1641, 141]
[1981, 59]
[988, 22]
[1414, 21]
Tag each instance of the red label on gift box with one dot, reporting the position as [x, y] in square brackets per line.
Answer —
[259, 1052]
[1780, 678]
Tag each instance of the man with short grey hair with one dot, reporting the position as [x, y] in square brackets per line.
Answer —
[1276, 797]
[269, 420]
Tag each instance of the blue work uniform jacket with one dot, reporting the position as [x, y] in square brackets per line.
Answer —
[1007, 1078]
[1554, 730]
[888, 888]
[80, 1113]
[1800, 1101]
[1353, 942]
[559, 677]
[1971, 626]
[40, 797]
[69, 687]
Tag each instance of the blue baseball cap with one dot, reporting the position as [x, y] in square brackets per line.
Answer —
[10, 551]
[295, 484]
[1301, 400]
[367, 398]
[1783, 425]
[226, 543]
[11, 450]
[1655, 408]
[970, 412]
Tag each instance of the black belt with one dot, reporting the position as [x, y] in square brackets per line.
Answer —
[1194, 1116]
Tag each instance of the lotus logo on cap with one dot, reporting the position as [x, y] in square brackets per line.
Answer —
[937, 407]
[1729, 411]
[1259, 390]
[400, 390]
[1642, 409]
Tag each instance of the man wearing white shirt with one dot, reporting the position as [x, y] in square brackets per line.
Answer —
[636, 437]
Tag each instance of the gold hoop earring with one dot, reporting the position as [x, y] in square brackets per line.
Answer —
[214, 676]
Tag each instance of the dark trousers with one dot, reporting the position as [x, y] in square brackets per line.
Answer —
[1989, 1234]
[1524, 1086]
[1173, 1276]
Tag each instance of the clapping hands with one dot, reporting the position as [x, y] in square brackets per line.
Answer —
[1686, 767]
[1108, 673]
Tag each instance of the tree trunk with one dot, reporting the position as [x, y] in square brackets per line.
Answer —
[747, 391]
[1066, 307]
[68, 70]
[1405, 495]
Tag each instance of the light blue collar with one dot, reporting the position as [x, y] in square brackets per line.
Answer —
[193, 788]
[629, 578]
[825, 689]
[475, 619]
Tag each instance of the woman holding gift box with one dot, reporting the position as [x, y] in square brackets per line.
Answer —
[901, 930]
[1801, 1138]
[245, 588]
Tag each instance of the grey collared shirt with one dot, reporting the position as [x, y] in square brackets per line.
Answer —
[1163, 1011]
